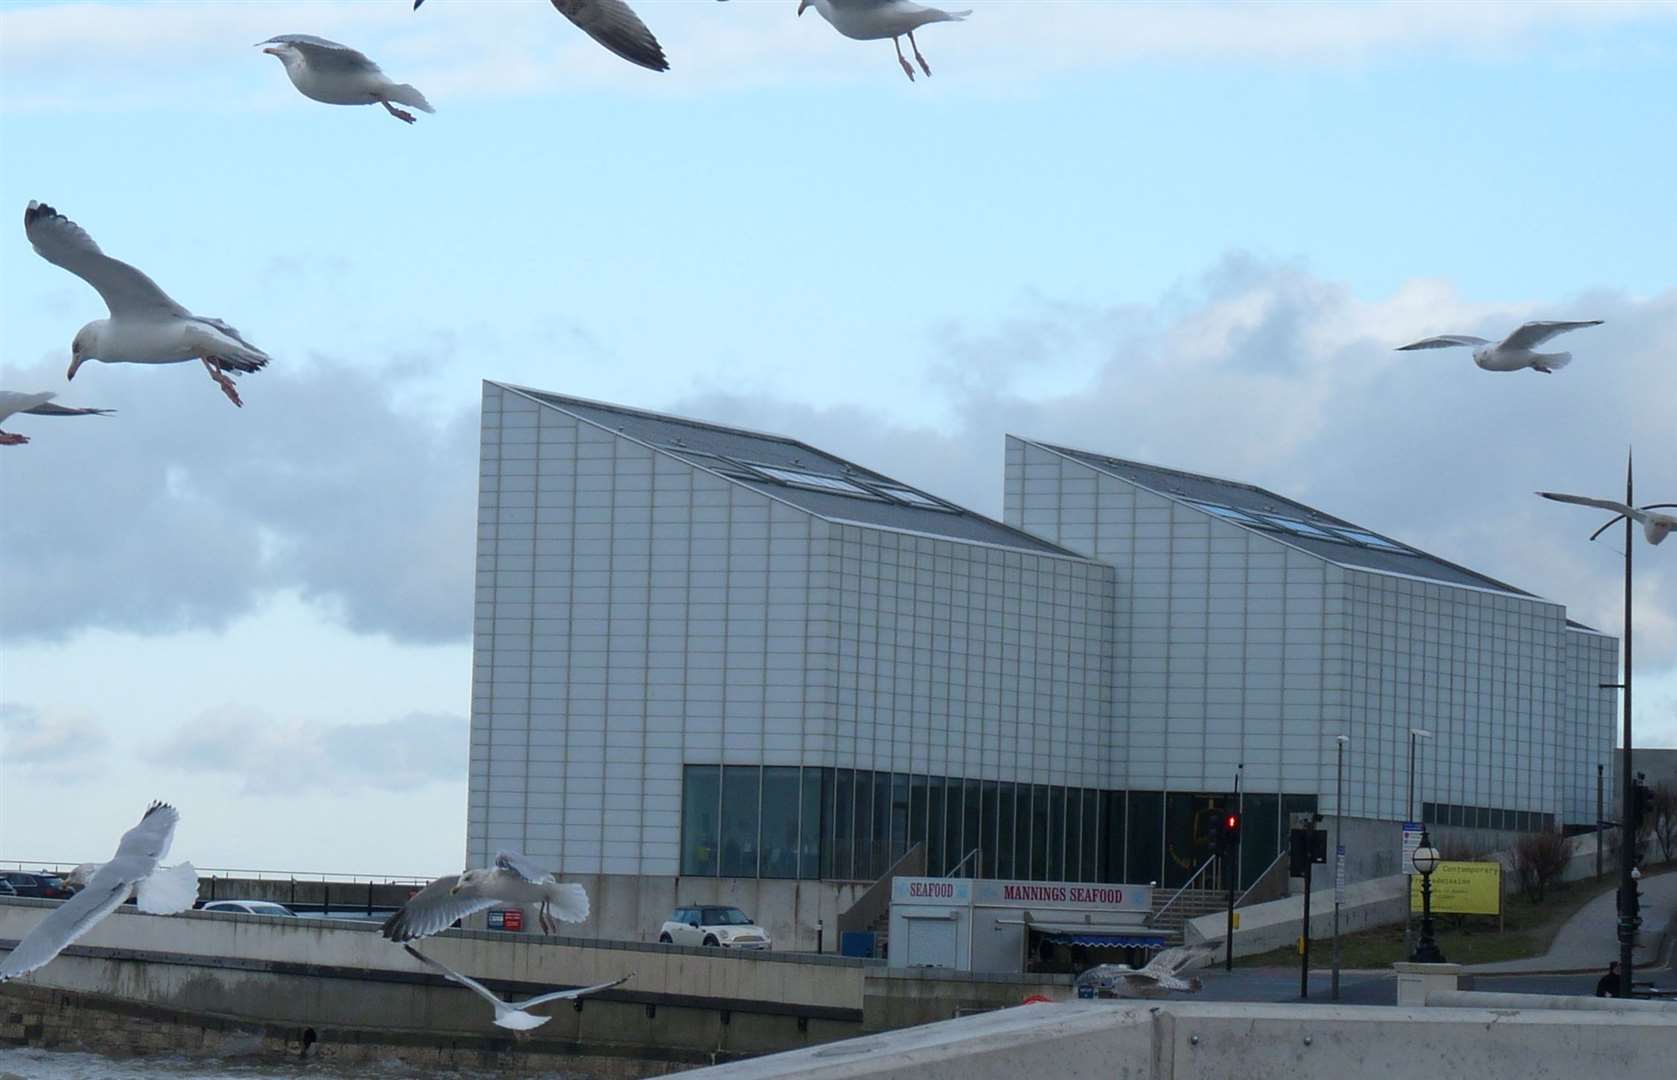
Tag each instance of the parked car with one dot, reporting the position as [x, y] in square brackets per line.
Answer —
[50, 886]
[6, 888]
[714, 925]
[251, 907]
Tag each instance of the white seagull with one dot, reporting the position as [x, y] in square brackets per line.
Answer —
[514, 879]
[1513, 352]
[615, 25]
[12, 402]
[145, 327]
[870, 20]
[165, 890]
[513, 1014]
[338, 75]
[1655, 527]
[1161, 975]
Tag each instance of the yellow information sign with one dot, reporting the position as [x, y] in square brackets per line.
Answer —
[1461, 888]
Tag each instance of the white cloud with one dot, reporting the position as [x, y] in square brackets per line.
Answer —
[77, 55]
[53, 739]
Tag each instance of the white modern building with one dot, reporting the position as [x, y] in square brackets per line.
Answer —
[717, 665]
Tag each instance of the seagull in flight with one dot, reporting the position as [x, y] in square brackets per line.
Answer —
[514, 879]
[1655, 527]
[870, 20]
[338, 75]
[513, 1014]
[1516, 351]
[145, 325]
[1161, 975]
[157, 890]
[12, 402]
[615, 25]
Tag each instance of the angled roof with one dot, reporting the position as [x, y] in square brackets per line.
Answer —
[798, 473]
[1252, 507]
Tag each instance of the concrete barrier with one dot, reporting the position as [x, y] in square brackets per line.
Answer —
[1179, 1040]
[1274, 925]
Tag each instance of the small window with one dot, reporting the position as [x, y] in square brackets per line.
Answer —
[912, 498]
[1368, 539]
[1302, 528]
[1230, 514]
[814, 480]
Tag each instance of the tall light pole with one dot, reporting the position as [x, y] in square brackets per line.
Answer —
[1657, 525]
[1409, 815]
[1338, 855]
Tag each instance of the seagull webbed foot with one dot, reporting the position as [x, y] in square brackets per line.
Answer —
[908, 68]
[9, 439]
[927, 68]
[401, 114]
[226, 384]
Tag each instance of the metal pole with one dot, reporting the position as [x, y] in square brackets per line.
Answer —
[1628, 915]
[1304, 951]
[1408, 816]
[1338, 858]
[1240, 797]
[1600, 816]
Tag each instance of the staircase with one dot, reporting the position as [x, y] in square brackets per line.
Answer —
[1190, 905]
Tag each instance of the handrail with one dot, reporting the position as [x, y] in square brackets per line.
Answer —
[876, 898]
[251, 875]
[1259, 880]
[1153, 919]
[973, 854]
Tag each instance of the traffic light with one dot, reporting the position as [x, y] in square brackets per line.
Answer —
[1231, 828]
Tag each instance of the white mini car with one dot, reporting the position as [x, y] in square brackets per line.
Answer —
[713, 925]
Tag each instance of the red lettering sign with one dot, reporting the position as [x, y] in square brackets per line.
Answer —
[512, 919]
[931, 888]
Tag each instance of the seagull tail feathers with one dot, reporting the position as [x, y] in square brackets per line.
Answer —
[953, 16]
[569, 902]
[1553, 361]
[407, 95]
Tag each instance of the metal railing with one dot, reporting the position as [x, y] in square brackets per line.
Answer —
[60, 867]
[876, 899]
[1263, 879]
[970, 856]
[1153, 920]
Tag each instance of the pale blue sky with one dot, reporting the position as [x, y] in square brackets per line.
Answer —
[1216, 218]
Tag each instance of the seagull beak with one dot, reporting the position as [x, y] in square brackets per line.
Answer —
[272, 50]
[801, 5]
[75, 362]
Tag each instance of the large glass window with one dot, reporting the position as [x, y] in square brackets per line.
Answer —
[814, 820]
[740, 785]
[700, 798]
[987, 828]
[1056, 835]
[1004, 831]
[899, 816]
[935, 791]
[1112, 837]
[1260, 835]
[1146, 833]
[781, 799]
[1039, 833]
[881, 854]
[971, 842]
[917, 811]
[953, 850]
[1089, 869]
[844, 830]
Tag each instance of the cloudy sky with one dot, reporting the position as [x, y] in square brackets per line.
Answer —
[1187, 233]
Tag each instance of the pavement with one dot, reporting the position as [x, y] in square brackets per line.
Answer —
[1589, 939]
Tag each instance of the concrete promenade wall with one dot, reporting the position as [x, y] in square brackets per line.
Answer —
[1275, 924]
[1174, 1039]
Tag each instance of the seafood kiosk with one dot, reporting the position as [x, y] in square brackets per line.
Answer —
[977, 924]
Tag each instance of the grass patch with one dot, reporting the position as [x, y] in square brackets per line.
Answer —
[1528, 930]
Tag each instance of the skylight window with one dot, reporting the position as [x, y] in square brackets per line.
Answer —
[815, 481]
[1302, 528]
[911, 497]
[1229, 514]
[1368, 539]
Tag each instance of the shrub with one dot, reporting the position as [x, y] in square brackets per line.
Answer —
[1539, 859]
[1664, 813]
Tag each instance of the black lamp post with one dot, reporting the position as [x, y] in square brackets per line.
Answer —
[1426, 861]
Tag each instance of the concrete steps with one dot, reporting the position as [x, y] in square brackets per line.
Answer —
[1190, 905]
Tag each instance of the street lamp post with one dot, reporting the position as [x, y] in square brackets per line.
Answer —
[1338, 854]
[1426, 861]
[1409, 815]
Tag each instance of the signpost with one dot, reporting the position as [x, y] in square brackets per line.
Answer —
[1411, 841]
[1462, 888]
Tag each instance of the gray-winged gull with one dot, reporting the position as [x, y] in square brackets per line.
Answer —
[1512, 353]
[12, 402]
[145, 326]
[1655, 527]
[514, 879]
[1162, 974]
[615, 25]
[871, 20]
[512, 1014]
[338, 75]
[157, 890]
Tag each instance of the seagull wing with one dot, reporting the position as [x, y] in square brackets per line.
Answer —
[1533, 334]
[62, 242]
[136, 857]
[522, 865]
[615, 25]
[454, 976]
[49, 409]
[15, 401]
[1444, 341]
[1600, 504]
[567, 995]
[434, 909]
[324, 55]
[1175, 961]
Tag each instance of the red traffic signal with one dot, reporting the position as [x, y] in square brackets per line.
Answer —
[1225, 829]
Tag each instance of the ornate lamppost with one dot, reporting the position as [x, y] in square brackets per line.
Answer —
[1426, 861]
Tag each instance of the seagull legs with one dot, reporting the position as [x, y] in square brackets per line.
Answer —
[8, 439]
[908, 69]
[222, 381]
[927, 68]
[401, 114]
[546, 920]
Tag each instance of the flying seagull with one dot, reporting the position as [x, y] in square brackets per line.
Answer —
[145, 327]
[514, 879]
[870, 20]
[513, 1014]
[338, 75]
[12, 403]
[1655, 527]
[1161, 975]
[615, 25]
[165, 890]
[1513, 352]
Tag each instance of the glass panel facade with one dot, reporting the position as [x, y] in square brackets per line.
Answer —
[813, 820]
[1261, 838]
[1146, 836]
[701, 797]
[781, 800]
[740, 789]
